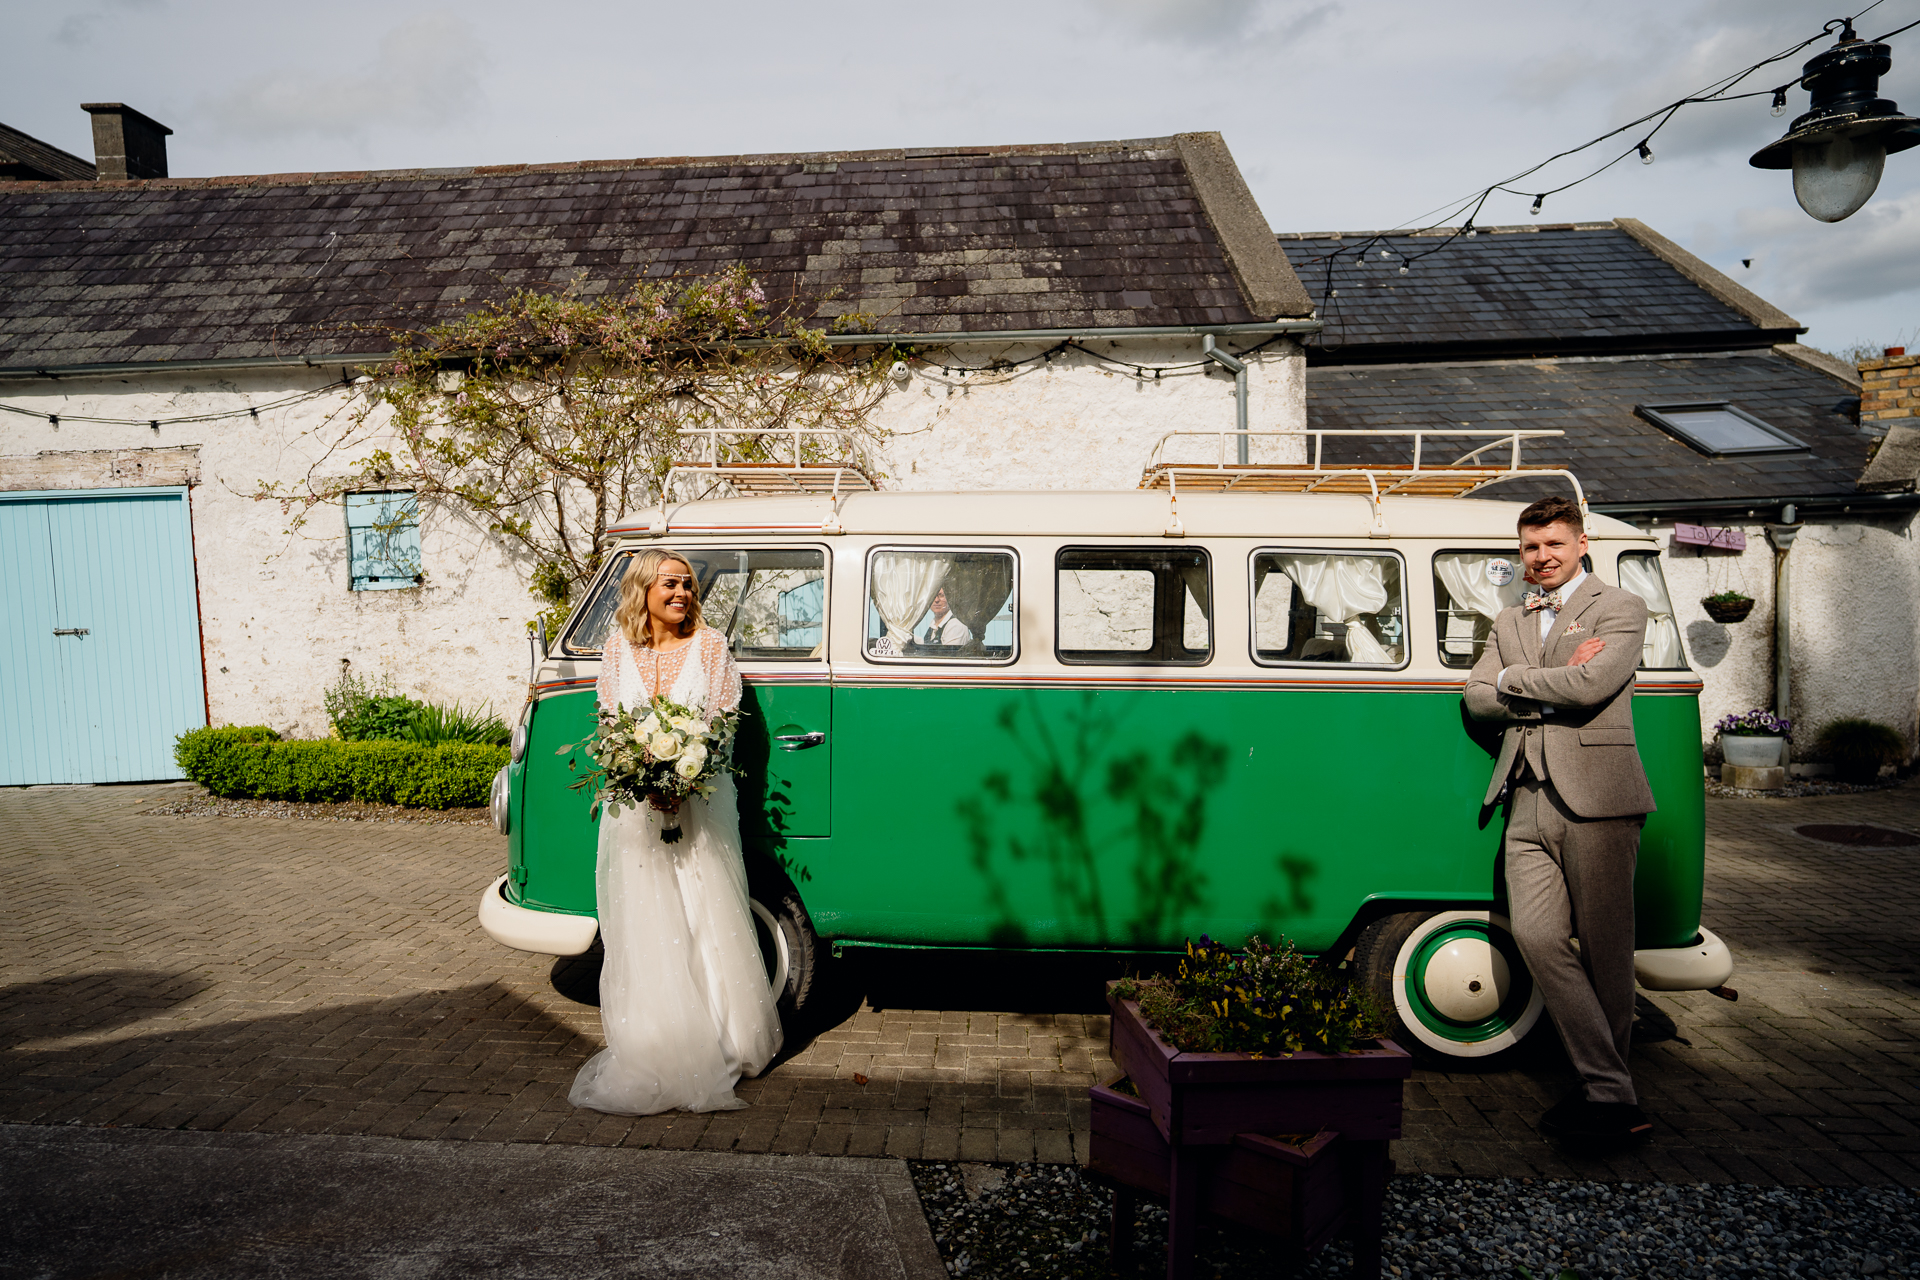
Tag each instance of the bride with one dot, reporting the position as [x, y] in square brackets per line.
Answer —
[684, 1002]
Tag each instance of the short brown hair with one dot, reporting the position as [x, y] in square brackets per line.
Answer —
[1553, 511]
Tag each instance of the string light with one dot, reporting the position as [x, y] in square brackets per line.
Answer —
[252, 411]
[1471, 206]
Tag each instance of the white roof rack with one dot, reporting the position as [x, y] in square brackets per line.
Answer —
[1466, 474]
[779, 461]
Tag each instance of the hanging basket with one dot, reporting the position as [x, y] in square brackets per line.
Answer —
[1728, 610]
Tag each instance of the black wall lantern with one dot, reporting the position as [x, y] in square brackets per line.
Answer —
[1837, 149]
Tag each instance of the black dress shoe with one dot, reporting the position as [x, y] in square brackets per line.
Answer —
[1567, 1116]
[1596, 1126]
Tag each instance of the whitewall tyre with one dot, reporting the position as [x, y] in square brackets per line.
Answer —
[1453, 982]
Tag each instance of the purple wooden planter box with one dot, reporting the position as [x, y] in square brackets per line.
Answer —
[1205, 1099]
[1297, 1191]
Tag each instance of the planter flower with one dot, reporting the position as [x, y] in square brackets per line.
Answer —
[1752, 739]
[1254, 1070]
[1727, 606]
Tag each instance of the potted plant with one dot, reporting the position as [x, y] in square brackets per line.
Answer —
[1727, 606]
[1858, 748]
[1258, 1045]
[1752, 739]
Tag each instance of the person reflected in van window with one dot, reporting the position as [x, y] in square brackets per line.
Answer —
[1558, 673]
[941, 626]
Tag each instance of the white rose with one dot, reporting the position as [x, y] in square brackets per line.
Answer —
[697, 754]
[648, 727]
[688, 768]
[663, 746]
[687, 724]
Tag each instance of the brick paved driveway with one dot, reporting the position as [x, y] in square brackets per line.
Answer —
[299, 976]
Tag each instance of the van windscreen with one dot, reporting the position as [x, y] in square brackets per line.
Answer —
[770, 603]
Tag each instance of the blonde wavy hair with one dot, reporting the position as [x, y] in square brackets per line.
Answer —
[631, 616]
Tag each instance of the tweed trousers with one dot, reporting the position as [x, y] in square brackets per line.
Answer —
[1571, 877]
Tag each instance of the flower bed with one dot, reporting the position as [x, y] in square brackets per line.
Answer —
[252, 762]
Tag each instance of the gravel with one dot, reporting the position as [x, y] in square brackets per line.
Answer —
[202, 805]
[1803, 788]
[1051, 1220]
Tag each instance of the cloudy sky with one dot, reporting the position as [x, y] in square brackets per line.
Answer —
[1366, 114]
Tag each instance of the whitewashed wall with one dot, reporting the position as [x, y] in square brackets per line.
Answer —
[277, 616]
[1855, 606]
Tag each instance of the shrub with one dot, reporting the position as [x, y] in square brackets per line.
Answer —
[1860, 747]
[437, 723]
[361, 713]
[206, 755]
[254, 763]
[1265, 1001]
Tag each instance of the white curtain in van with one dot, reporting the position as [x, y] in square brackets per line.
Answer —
[1343, 589]
[1197, 621]
[1640, 575]
[1464, 576]
[904, 583]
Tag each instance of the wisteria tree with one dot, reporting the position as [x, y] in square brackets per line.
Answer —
[550, 416]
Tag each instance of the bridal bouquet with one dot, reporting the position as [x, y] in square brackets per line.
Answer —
[659, 755]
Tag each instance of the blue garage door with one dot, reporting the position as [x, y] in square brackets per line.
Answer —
[99, 635]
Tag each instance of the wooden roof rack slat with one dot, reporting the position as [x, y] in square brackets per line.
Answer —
[1466, 474]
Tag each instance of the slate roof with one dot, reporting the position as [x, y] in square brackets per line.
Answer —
[1555, 289]
[25, 157]
[1092, 235]
[1619, 456]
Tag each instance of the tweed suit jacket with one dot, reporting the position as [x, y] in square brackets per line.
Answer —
[1588, 745]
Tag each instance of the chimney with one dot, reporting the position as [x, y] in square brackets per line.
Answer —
[126, 144]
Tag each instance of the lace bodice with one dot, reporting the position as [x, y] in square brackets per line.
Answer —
[629, 676]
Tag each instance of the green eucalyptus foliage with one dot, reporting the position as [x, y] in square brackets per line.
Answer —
[548, 416]
[1264, 1001]
[253, 763]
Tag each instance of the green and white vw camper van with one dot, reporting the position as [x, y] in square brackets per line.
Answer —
[1226, 703]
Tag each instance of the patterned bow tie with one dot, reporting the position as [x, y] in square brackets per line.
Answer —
[1543, 600]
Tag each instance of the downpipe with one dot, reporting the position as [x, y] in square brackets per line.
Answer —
[1238, 368]
[1782, 536]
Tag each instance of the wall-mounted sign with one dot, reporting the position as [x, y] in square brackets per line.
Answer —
[1698, 535]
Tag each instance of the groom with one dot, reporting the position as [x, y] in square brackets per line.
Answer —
[1558, 673]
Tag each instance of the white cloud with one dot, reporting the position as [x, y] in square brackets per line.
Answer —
[426, 72]
[1874, 254]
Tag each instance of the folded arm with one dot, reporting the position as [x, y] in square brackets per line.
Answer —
[1485, 699]
[1593, 682]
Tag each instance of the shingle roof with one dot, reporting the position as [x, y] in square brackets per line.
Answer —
[1618, 456]
[24, 157]
[1094, 235]
[1554, 289]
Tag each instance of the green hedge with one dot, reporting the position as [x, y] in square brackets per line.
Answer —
[250, 761]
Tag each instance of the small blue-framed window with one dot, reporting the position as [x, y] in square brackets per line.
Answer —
[383, 540]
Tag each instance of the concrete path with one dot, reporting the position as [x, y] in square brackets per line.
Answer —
[260, 975]
[131, 1202]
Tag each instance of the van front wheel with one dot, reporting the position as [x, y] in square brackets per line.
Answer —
[1453, 983]
[788, 947]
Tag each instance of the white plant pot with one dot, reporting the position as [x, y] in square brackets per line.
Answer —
[1751, 750]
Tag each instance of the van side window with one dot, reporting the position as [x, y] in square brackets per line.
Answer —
[1470, 588]
[1640, 574]
[1125, 606]
[770, 604]
[1318, 606]
[929, 604]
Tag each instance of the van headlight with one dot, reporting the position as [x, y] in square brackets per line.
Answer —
[500, 801]
[522, 730]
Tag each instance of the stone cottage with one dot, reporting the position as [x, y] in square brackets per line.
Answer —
[168, 343]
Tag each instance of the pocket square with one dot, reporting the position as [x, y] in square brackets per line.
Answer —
[1574, 629]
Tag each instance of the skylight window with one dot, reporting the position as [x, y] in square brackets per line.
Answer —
[1719, 430]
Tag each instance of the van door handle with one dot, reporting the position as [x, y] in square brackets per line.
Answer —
[799, 741]
[70, 631]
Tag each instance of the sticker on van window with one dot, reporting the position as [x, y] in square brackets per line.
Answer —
[1499, 572]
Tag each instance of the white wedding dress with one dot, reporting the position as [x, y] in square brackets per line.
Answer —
[684, 1002]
